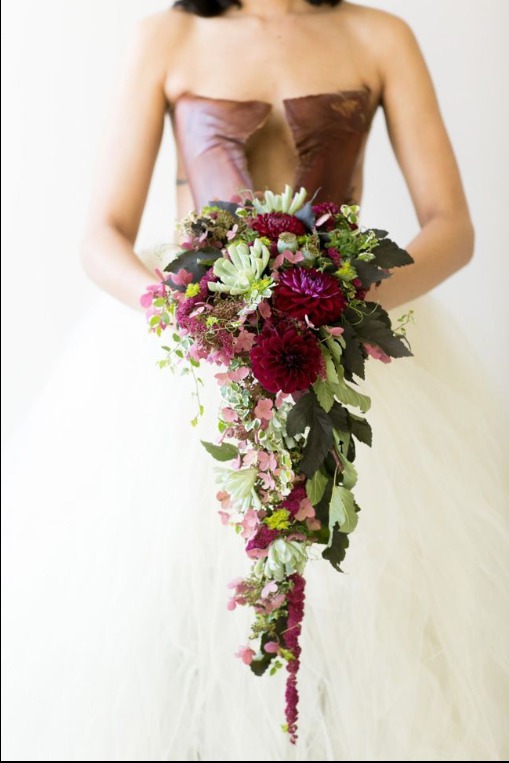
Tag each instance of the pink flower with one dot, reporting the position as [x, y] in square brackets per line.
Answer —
[335, 330]
[263, 409]
[376, 352]
[271, 647]
[280, 398]
[224, 498]
[306, 510]
[269, 588]
[266, 461]
[229, 414]
[289, 256]
[264, 309]
[246, 654]
[250, 458]
[244, 341]
[313, 524]
[249, 524]
[232, 604]
[267, 480]
[181, 278]
[225, 517]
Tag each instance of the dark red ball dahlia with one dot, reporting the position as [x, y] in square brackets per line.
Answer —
[307, 291]
[273, 224]
[286, 358]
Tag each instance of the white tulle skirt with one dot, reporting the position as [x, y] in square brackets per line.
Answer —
[117, 641]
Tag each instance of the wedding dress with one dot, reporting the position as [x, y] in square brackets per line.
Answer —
[117, 640]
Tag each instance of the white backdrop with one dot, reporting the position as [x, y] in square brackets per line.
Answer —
[61, 60]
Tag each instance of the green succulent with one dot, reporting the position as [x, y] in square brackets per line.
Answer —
[242, 270]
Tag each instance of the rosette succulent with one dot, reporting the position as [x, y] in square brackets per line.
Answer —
[239, 273]
[285, 558]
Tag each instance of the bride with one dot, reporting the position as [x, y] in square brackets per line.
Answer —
[117, 641]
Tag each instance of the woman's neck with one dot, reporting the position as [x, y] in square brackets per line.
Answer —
[275, 8]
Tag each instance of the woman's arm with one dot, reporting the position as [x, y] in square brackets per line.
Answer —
[125, 167]
[424, 153]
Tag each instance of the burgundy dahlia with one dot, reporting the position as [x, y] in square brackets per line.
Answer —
[286, 358]
[307, 291]
[273, 224]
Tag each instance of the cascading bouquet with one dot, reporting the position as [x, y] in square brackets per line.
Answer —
[273, 290]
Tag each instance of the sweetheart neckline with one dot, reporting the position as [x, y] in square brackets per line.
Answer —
[364, 90]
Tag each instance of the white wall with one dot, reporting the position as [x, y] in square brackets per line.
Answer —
[60, 64]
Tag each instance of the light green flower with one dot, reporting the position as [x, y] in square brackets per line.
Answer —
[239, 484]
[282, 202]
[245, 267]
[285, 557]
[279, 520]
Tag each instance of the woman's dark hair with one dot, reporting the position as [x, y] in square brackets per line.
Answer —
[216, 7]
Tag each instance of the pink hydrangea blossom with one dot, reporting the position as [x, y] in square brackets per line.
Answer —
[244, 341]
[306, 510]
[246, 654]
[376, 352]
[288, 256]
[263, 409]
[249, 524]
[224, 498]
[228, 414]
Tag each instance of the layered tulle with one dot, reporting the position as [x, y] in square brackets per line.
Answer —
[117, 641]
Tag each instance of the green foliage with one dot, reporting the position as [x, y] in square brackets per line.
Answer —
[316, 486]
[196, 262]
[336, 550]
[342, 510]
[388, 254]
[309, 413]
[223, 452]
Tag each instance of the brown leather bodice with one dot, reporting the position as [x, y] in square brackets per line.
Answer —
[329, 132]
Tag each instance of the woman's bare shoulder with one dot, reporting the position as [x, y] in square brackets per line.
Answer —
[369, 21]
[163, 31]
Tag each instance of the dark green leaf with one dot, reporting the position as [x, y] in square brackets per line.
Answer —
[360, 428]
[309, 413]
[228, 206]
[336, 552]
[339, 417]
[322, 508]
[353, 358]
[306, 216]
[369, 273]
[379, 233]
[301, 414]
[260, 665]
[390, 255]
[195, 262]
[223, 452]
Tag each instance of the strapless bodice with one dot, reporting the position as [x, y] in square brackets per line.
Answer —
[328, 130]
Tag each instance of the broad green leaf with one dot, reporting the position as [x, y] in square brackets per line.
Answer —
[315, 487]
[349, 396]
[223, 452]
[342, 511]
[325, 394]
[349, 474]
